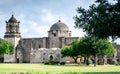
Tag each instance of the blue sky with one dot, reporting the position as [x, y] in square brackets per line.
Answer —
[37, 16]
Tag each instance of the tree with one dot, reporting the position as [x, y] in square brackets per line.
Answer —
[71, 51]
[94, 46]
[84, 45]
[65, 51]
[75, 53]
[102, 19]
[106, 48]
[5, 47]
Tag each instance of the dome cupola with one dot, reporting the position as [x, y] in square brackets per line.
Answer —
[59, 26]
[59, 29]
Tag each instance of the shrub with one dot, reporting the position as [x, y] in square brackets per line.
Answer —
[54, 61]
[25, 62]
[113, 62]
[100, 62]
[62, 63]
[88, 61]
[46, 62]
[118, 63]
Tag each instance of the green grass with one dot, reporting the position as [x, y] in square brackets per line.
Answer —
[57, 69]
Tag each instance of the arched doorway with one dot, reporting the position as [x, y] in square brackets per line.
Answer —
[51, 57]
[17, 60]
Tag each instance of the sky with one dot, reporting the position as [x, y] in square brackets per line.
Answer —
[37, 16]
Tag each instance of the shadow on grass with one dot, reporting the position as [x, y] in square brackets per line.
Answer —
[101, 73]
[92, 73]
[70, 73]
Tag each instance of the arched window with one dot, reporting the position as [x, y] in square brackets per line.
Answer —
[54, 34]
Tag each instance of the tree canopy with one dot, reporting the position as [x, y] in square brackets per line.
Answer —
[93, 46]
[5, 47]
[102, 19]
[71, 50]
[88, 46]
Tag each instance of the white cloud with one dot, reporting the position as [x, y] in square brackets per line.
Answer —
[2, 16]
[2, 23]
[34, 29]
[75, 31]
[78, 33]
[21, 16]
[47, 16]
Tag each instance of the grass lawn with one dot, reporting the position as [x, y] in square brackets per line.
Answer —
[56, 69]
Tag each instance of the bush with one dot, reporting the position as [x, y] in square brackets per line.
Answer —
[46, 62]
[62, 63]
[113, 62]
[88, 61]
[118, 63]
[54, 61]
[100, 62]
[25, 62]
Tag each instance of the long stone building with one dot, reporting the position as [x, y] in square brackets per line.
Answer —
[39, 50]
[36, 50]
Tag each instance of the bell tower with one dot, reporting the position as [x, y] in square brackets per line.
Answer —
[13, 35]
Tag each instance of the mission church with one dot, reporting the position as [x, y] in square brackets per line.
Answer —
[37, 50]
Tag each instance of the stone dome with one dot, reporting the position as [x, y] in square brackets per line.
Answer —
[12, 19]
[59, 26]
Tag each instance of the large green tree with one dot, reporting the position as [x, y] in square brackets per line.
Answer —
[102, 19]
[94, 46]
[5, 46]
[71, 51]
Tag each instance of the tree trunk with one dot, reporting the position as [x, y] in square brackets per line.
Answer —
[104, 60]
[75, 59]
[80, 60]
[95, 57]
[87, 61]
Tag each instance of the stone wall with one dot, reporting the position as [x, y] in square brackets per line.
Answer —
[41, 55]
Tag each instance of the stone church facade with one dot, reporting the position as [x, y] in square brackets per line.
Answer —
[37, 50]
